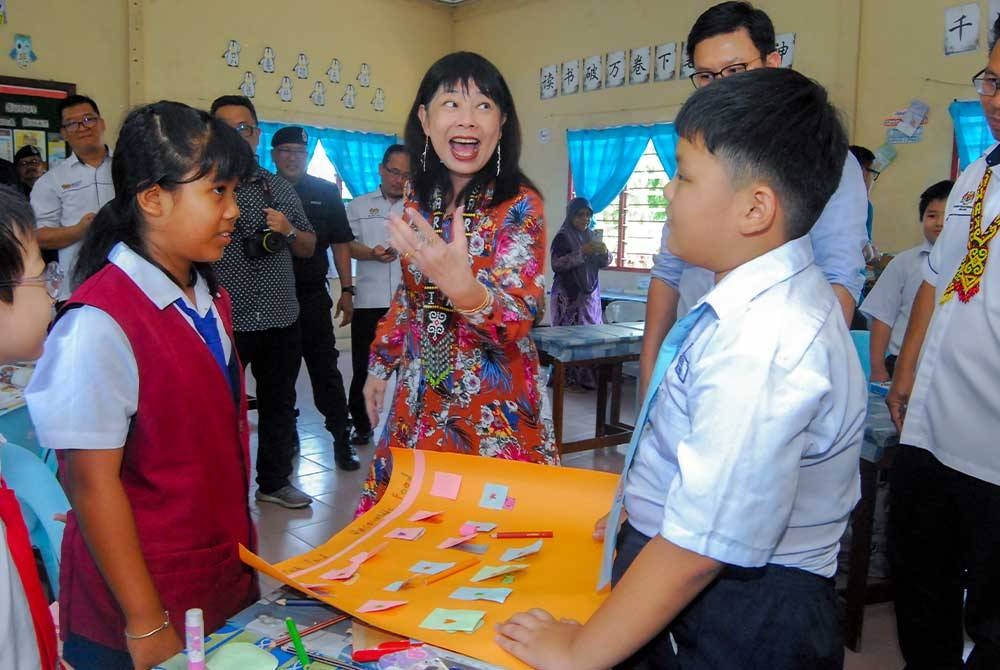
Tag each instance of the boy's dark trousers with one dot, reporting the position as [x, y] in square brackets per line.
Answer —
[363, 327]
[319, 350]
[769, 618]
[944, 546]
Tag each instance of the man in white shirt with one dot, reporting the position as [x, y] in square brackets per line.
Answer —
[67, 198]
[888, 303]
[379, 273]
[945, 484]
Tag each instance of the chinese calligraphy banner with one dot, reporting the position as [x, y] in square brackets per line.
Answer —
[549, 82]
[961, 28]
[638, 70]
[784, 44]
[593, 73]
[665, 66]
[570, 77]
[617, 65]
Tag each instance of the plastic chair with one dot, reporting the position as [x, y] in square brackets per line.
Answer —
[862, 341]
[624, 310]
[41, 497]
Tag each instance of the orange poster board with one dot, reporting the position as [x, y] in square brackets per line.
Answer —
[561, 577]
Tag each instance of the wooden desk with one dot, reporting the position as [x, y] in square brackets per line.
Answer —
[605, 346]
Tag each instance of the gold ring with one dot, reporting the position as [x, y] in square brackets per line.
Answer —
[407, 254]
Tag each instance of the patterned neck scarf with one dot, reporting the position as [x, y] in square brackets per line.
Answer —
[437, 340]
[970, 272]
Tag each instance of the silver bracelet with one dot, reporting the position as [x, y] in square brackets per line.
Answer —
[165, 625]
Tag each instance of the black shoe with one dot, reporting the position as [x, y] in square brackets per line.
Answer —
[360, 439]
[346, 457]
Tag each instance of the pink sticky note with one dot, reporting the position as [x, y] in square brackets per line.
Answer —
[381, 605]
[468, 529]
[446, 485]
[509, 503]
[342, 573]
[424, 515]
[406, 533]
[452, 541]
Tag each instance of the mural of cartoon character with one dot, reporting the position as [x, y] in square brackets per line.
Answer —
[249, 84]
[378, 102]
[333, 72]
[232, 54]
[318, 95]
[285, 90]
[365, 75]
[266, 61]
[301, 68]
[22, 53]
[348, 97]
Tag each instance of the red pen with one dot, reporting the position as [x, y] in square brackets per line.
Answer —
[369, 655]
[520, 534]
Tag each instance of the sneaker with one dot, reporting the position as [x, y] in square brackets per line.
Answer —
[345, 456]
[287, 496]
[360, 439]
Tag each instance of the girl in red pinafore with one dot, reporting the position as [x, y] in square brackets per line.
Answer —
[141, 391]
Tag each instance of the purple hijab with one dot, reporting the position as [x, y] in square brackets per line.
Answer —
[582, 278]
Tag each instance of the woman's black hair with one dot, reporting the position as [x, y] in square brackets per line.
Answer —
[166, 144]
[456, 70]
[17, 223]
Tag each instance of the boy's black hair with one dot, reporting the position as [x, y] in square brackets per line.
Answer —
[728, 17]
[938, 191]
[775, 126]
[17, 222]
[73, 101]
[166, 144]
[863, 154]
[393, 150]
[995, 33]
[236, 100]
[457, 70]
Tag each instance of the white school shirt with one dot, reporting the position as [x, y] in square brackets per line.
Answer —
[954, 410]
[86, 384]
[751, 453]
[891, 299]
[63, 195]
[376, 282]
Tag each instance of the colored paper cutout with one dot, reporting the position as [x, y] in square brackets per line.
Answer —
[406, 533]
[353, 564]
[382, 605]
[471, 593]
[454, 621]
[452, 541]
[479, 549]
[424, 515]
[480, 526]
[515, 553]
[467, 529]
[446, 485]
[491, 571]
[394, 586]
[508, 503]
[508, 579]
[429, 567]
[494, 496]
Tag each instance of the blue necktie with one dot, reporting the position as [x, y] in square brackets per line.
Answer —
[668, 352]
[210, 333]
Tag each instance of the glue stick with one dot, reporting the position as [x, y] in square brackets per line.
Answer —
[194, 634]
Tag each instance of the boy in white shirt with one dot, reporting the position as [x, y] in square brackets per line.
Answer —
[888, 303]
[744, 476]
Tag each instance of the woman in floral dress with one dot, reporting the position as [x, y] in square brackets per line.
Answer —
[472, 245]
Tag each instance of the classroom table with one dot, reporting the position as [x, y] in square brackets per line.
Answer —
[605, 346]
[877, 452]
[612, 295]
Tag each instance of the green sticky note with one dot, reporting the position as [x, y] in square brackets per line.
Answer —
[454, 621]
[491, 571]
[507, 579]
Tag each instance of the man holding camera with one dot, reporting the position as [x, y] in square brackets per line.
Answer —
[256, 269]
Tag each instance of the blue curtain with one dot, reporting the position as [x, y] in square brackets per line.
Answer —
[972, 134]
[355, 154]
[664, 137]
[603, 160]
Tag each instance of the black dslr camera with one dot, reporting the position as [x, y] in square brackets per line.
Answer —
[263, 243]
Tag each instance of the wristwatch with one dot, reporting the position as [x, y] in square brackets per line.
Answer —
[292, 235]
[349, 289]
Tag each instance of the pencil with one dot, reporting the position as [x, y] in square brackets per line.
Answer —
[300, 651]
[306, 631]
[510, 535]
[298, 602]
[464, 565]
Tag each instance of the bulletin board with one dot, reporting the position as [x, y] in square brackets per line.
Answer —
[29, 114]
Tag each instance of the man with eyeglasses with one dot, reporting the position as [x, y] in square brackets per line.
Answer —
[29, 166]
[325, 210]
[379, 272]
[256, 269]
[727, 40]
[67, 198]
[944, 485]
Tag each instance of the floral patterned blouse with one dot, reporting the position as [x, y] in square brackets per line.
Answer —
[490, 403]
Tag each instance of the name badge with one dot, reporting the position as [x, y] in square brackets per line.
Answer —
[66, 187]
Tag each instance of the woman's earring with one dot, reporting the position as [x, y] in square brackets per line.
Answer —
[498, 159]
[423, 158]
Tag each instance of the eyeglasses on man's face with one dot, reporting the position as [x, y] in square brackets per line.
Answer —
[293, 153]
[399, 174]
[873, 172]
[985, 83]
[703, 78]
[51, 278]
[29, 162]
[88, 121]
[245, 129]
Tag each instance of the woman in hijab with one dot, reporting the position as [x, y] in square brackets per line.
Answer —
[577, 257]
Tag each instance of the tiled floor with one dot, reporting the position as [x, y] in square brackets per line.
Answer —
[285, 533]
